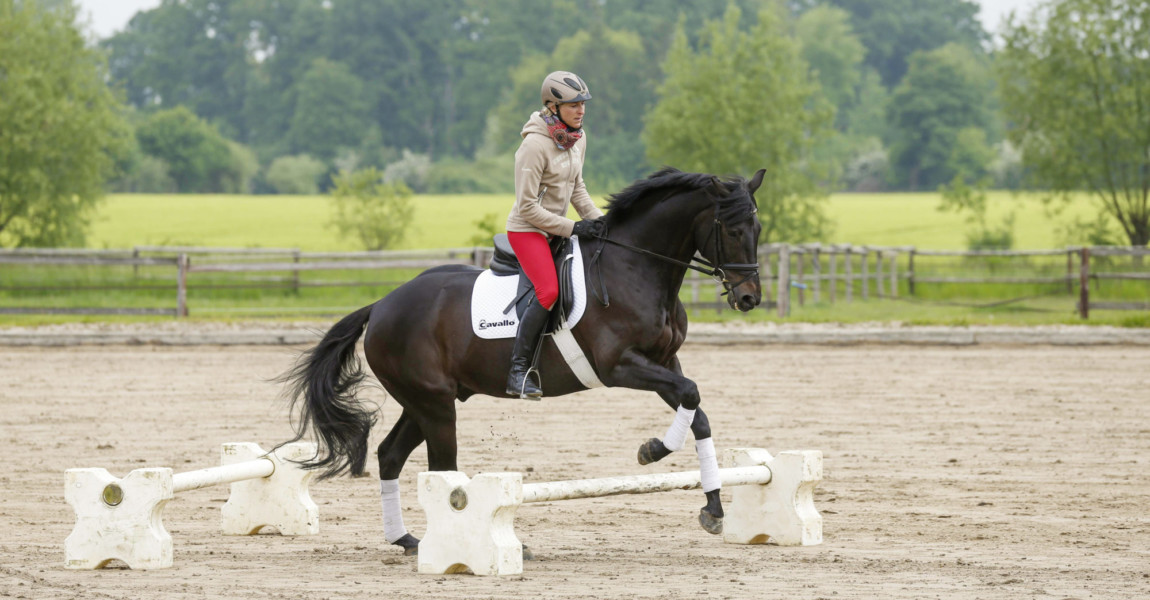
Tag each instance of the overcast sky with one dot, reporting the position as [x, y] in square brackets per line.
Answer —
[110, 16]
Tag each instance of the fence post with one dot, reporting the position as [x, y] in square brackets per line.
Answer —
[135, 267]
[765, 279]
[799, 277]
[784, 283]
[834, 255]
[865, 273]
[295, 274]
[1069, 271]
[182, 285]
[849, 276]
[1084, 284]
[910, 272]
[878, 273]
[894, 274]
[817, 268]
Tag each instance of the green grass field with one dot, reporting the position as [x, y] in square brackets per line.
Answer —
[127, 220]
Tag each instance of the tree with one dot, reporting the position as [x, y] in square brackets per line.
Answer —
[834, 52]
[741, 102]
[893, 30]
[376, 213]
[330, 110]
[1076, 87]
[945, 91]
[198, 157]
[61, 128]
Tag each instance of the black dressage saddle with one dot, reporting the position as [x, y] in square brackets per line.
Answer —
[505, 263]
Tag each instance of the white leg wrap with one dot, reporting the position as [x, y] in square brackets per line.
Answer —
[708, 465]
[393, 528]
[677, 433]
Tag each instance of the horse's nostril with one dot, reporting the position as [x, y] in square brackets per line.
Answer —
[748, 300]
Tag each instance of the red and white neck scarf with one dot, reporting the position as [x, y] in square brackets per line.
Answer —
[563, 136]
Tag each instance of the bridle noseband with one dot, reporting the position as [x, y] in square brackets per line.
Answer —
[717, 272]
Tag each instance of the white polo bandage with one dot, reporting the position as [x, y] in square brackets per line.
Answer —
[708, 465]
[677, 433]
[393, 528]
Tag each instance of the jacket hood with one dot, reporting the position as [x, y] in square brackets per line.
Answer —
[535, 124]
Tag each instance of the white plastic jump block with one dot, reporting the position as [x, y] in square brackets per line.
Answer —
[123, 518]
[470, 522]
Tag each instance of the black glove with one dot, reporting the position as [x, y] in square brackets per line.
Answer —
[589, 228]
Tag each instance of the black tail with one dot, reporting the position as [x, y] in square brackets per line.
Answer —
[327, 377]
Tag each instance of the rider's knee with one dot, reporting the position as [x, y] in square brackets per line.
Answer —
[547, 296]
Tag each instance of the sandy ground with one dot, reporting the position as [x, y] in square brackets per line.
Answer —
[975, 472]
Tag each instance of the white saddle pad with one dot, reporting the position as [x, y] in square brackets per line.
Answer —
[492, 294]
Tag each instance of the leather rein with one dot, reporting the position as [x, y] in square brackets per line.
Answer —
[718, 272]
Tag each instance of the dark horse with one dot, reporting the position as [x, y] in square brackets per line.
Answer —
[419, 343]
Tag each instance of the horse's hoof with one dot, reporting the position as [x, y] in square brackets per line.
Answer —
[651, 451]
[527, 553]
[711, 523]
[409, 543]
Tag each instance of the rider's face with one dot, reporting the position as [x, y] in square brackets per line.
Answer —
[572, 114]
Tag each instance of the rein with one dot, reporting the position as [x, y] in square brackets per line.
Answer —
[718, 272]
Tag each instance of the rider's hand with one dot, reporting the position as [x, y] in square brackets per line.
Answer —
[589, 228]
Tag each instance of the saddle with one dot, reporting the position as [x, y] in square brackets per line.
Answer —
[504, 263]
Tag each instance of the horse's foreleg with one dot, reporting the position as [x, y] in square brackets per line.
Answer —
[393, 451]
[681, 394]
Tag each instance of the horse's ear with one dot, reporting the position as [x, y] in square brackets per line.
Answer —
[756, 181]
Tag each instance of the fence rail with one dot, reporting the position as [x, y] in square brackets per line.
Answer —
[789, 273]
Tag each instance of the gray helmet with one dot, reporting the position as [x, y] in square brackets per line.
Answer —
[562, 87]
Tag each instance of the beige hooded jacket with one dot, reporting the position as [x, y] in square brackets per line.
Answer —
[547, 181]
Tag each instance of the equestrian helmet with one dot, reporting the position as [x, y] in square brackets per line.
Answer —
[562, 87]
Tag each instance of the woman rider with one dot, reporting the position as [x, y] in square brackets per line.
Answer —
[548, 178]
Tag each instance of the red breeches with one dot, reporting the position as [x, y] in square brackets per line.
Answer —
[535, 255]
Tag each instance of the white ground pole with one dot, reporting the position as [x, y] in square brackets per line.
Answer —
[123, 518]
[470, 522]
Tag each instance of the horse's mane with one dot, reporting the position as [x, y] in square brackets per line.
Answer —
[730, 193]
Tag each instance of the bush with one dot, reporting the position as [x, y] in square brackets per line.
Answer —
[295, 174]
[237, 179]
[147, 175]
[489, 175]
[377, 213]
[412, 170]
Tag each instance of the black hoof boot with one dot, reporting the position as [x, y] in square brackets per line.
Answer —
[409, 543]
[652, 451]
[711, 515]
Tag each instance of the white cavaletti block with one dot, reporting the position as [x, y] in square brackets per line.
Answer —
[781, 513]
[470, 522]
[123, 518]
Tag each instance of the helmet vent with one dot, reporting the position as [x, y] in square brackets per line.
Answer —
[574, 84]
[556, 93]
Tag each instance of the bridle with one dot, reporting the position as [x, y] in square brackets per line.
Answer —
[718, 272]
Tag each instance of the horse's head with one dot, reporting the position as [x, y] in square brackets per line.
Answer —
[730, 240]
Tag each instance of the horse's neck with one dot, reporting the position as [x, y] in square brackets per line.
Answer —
[669, 233]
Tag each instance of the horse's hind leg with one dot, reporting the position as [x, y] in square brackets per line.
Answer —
[393, 451]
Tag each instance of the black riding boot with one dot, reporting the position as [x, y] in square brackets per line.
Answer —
[519, 381]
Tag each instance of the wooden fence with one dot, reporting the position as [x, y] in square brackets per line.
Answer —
[789, 273]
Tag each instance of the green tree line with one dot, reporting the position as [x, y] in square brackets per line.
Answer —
[284, 95]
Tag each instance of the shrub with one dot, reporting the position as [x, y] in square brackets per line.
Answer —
[295, 174]
[412, 170]
[377, 213]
